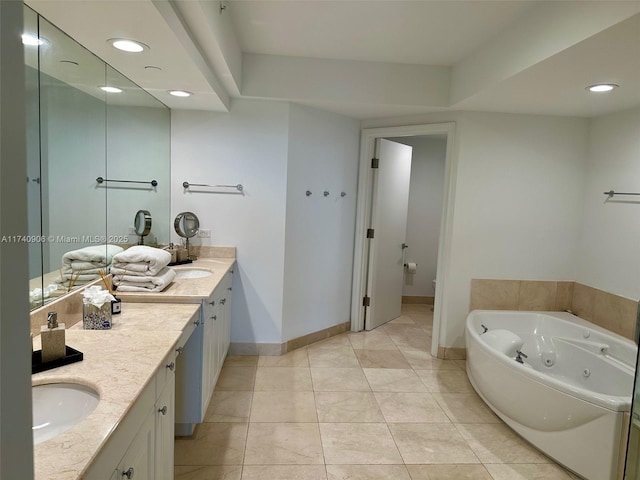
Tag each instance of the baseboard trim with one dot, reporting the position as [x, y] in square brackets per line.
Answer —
[274, 349]
[452, 353]
[305, 340]
[417, 300]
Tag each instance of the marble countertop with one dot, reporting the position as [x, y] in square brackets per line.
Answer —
[188, 290]
[118, 363]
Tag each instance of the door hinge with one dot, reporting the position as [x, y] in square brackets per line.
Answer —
[370, 232]
[375, 162]
[366, 301]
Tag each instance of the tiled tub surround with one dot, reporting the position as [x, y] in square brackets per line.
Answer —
[605, 309]
[118, 363]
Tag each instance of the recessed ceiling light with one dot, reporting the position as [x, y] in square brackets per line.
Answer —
[180, 93]
[602, 87]
[111, 89]
[126, 45]
[31, 40]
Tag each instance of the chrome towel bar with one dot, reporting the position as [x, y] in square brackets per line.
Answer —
[238, 187]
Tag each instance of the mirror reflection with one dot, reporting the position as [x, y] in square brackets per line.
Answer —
[87, 121]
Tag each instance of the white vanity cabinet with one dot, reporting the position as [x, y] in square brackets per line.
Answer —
[204, 355]
[141, 448]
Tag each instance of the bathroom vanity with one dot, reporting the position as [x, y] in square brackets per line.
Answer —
[154, 370]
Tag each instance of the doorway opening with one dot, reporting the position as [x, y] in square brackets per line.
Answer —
[379, 194]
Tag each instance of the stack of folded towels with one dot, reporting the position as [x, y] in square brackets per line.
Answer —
[82, 266]
[142, 269]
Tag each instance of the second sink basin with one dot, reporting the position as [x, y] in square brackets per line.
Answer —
[187, 273]
[59, 406]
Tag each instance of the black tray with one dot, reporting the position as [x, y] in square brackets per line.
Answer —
[38, 366]
[182, 262]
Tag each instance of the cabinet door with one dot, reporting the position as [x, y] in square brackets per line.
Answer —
[138, 463]
[165, 416]
[210, 351]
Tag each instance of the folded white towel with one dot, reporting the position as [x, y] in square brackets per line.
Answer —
[98, 255]
[76, 279]
[137, 283]
[68, 271]
[140, 260]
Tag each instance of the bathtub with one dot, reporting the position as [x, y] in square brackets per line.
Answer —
[569, 395]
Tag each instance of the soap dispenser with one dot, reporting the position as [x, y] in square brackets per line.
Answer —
[52, 337]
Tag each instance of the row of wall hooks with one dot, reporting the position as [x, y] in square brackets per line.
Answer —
[326, 193]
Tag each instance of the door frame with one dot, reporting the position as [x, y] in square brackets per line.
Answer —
[363, 215]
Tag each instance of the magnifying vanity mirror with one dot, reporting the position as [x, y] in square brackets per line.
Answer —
[77, 132]
[187, 226]
[142, 225]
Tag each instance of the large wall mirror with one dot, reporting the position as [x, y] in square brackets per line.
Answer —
[92, 155]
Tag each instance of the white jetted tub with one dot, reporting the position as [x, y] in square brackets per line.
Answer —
[561, 382]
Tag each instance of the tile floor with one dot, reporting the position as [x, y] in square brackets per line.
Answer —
[358, 406]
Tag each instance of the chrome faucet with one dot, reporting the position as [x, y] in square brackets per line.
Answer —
[519, 356]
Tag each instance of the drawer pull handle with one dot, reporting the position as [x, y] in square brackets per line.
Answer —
[212, 303]
[163, 410]
[179, 350]
[196, 323]
[129, 473]
[171, 366]
[223, 301]
[229, 289]
[215, 317]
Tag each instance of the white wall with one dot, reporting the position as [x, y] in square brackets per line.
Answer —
[425, 211]
[518, 204]
[248, 145]
[323, 155]
[610, 243]
[138, 148]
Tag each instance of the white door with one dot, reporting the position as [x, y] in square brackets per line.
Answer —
[390, 203]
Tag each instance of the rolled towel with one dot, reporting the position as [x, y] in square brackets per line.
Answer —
[97, 255]
[137, 283]
[140, 260]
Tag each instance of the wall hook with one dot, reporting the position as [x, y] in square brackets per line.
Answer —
[343, 194]
[308, 193]
[326, 193]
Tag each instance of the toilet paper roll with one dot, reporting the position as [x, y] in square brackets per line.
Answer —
[411, 267]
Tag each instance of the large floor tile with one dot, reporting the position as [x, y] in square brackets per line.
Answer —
[497, 443]
[241, 361]
[228, 406]
[338, 356]
[431, 444]
[296, 358]
[358, 444]
[423, 360]
[341, 340]
[446, 381]
[283, 407]
[213, 444]
[345, 407]
[448, 472]
[367, 472]
[339, 380]
[465, 408]
[225, 472]
[284, 472]
[410, 408]
[394, 380]
[381, 359]
[373, 340]
[291, 379]
[527, 472]
[236, 378]
[283, 444]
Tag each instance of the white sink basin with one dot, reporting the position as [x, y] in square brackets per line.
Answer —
[59, 406]
[186, 273]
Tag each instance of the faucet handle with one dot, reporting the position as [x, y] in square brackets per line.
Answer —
[519, 355]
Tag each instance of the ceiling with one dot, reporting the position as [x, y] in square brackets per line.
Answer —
[371, 58]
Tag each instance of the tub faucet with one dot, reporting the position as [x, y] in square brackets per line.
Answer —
[519, 356]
